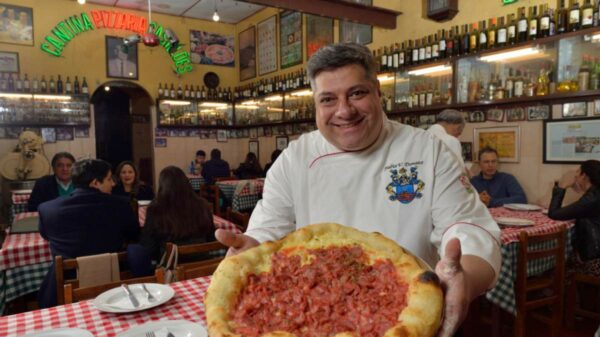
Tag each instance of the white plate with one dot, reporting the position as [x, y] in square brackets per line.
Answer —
[21, 191]
[61, 332]
[523, 207]
[144, 202]
[160, 329]
[116, 301]
[517, 222]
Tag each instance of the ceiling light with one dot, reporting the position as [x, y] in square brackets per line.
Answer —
[215, 16]
[81, 2]
[106, 88]
[430, 70]
[510, 54]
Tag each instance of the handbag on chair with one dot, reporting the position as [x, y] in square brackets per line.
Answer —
[169, 264]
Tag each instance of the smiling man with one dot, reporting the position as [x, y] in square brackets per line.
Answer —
[362, 170]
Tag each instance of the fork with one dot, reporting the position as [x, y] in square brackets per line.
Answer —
[150, 298]
[150, 334]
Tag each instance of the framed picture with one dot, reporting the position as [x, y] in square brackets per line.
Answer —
[319, 33]
[222, 136]
[571, 141]
[290, 38]
[538, 112]
[597, 107]
[247, 57]
[356, 32]
[160, 142]
[253, 147]
[64, 133]
[515, 114]
[467, 151]
[577, 109]
[121, 59]
[281, 142]
[9, 62]
[496, 115]
[477, 117]
[49, 135]
[16, 24]
[268, 131]
[267, 45]
[212, 48]
[253, 133]
[506, 140]
[82, 132]
[158, 132]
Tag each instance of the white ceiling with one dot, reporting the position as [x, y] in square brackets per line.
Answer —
[230, 11]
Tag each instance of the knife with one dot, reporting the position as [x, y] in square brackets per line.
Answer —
[132, 298]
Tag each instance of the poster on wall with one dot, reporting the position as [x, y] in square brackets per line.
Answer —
[247, 46]
[571, 141]
[211, 48]
[267, 46]
[290, 38]
[16, 24]
[121, 59]
[319, 33]
[9, 62]
[506, 140]
[356, 32]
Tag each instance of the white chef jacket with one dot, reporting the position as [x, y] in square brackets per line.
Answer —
[313, 182]
[450, 141]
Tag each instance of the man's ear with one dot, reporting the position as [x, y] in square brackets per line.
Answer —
[94, 183]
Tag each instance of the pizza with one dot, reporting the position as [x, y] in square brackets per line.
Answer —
[324, 280]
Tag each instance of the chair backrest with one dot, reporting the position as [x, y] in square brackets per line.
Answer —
[194, 249]
[212, 194]
[535, 247]
[226, 178]
[197, 269]
[75, 294]
[240, 219]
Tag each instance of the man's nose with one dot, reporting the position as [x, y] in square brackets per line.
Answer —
[345, 108]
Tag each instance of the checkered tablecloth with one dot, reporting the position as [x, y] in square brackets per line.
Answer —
[218, 221]
[20, 198]
[187, 304]
[20, 281]
[23, 249]
[503, 293]
[196, 181]
[249, 192]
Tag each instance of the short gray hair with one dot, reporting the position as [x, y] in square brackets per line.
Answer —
[334, 56]
[450, 116]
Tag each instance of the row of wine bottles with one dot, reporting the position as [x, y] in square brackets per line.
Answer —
[17, 83]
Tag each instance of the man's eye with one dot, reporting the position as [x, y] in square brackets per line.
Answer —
[326, 100]
[358, 93]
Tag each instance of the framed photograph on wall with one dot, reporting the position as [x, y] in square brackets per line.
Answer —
[496, 115]
[576, 109]
[222, 136]
[515, 114]
[319, 33]
[253, 133]
[160, 142]
[247, 50]
[506, 140]
[212, 48]
[16, 24]
[477, 116]
[253, 147]
[121, 59]
[281, 142]
[290, 38]
[267, 45]
[9, 62]
[538, 112]
[356, 32]
[597, 107]
[571, 141]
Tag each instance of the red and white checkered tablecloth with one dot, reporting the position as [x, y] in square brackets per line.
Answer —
[543, 224]
[21, 198]
[256, 184]
[187, 304]
[30, 248]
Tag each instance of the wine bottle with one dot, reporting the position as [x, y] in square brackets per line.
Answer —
[574, 17]
[501, 33]
[68, 87]
[435, 47]
[44, 85]
[511, 30]
[483, 42]
[473, 38]
[59, 85]
[466, 40]
[533, 23]
[587, 15]
[26, 84]
[562, 18]
[76, 87]
[19, 84]
[52, 85]
[544, 22]
[160, 91]
[491, 34]
[522, 26]
[442, 45]
[84, 86]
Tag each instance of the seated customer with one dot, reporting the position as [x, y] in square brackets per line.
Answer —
[55, 185]
[274, 156]
[215, 167]
[177, 215]
[89, 221]
[250, 168]
[196, 164]
[128, 183]
[496, 188]
[585, 211]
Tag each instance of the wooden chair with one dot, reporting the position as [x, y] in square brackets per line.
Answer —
[575, 307]
[206, 266]
[543, 291]
[212, 194]
[64, 265]
[240, 219]
[225, 178]
[199, 269]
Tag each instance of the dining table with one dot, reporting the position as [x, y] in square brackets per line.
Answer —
[19, 200]
[503, 293]
[186, 304]
[242, 194]
[196, 181]
[26, 257]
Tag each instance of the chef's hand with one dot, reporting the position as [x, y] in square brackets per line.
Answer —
[237, 243]
[454, 283]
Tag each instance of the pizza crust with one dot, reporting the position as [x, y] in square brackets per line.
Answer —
[420, 318]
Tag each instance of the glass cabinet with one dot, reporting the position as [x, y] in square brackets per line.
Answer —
[41, 109]
[386, 85]
[194, 113]
[267, 109]
[299, 105]
[424, 87]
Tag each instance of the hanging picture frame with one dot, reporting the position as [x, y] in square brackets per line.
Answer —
[571, 141]
[222, 136]
[212, 48]
[16, 25]
[290, 38]
[319, 33]
[506, 140]
[253, 147]
[9, 62]
[267, 45]
[281, 142]
[121, 59]
[247, 53]
[356, 32]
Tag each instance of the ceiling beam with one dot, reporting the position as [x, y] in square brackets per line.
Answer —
[337, 9]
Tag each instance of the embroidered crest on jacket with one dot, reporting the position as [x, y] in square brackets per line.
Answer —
[405, 186]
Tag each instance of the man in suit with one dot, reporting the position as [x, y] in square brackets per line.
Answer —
[90, 221]
[215, 167]
[54, 185]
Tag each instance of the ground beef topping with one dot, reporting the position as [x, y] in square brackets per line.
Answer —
[337, 291]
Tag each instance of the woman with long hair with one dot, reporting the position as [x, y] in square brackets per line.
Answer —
[128, 182]
[250, 168]
[177, 215]
[585, 211]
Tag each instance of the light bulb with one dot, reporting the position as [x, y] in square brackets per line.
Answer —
[216, 16]
[81, 2]
[106, 88]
